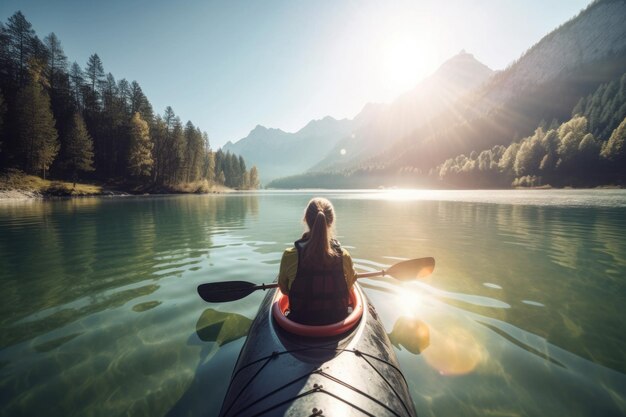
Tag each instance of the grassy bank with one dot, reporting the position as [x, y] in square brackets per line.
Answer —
[17, 185]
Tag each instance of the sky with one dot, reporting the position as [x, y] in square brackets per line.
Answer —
[230, 65]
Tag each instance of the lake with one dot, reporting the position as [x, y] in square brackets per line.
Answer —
[525, 310]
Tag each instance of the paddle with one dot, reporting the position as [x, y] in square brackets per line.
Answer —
[219, 292]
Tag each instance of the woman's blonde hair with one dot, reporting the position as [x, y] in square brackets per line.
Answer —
[319, 217]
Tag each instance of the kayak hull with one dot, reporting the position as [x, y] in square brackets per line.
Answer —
[281, 374]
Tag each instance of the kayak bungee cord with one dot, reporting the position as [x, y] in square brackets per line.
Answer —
[317, 388]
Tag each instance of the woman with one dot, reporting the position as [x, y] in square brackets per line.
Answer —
[317, 273]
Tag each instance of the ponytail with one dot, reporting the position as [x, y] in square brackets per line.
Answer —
[319, 217]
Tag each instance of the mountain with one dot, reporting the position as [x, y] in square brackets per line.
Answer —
[277, 153]
[340, 143]
[544, 84]
[540, 88]
[380, 125]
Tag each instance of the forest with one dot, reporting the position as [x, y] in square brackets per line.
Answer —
[587, 150]
[77, 123]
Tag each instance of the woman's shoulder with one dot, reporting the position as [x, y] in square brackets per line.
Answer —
[336, 244]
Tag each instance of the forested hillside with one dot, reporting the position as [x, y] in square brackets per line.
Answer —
[586, 150]
[78, 122]
[574, 70]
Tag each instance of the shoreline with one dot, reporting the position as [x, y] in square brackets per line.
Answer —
[28, 195]
[16, 194]
[20, 187]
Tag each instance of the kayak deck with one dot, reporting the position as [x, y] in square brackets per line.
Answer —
[354, 374]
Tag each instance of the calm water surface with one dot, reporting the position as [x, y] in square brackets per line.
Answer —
[525, 310]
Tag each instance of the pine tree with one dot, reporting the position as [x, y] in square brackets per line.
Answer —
[21, 45]
[57, 61]
[139, 103]
[78, 151]
[3, 109]
[94, 77]
[94, 72]
[140, 156]
[77, 81]
[159, 151]
[615, 148]
[37, 136]
[123, 89]
[254, 178]
[177, 146]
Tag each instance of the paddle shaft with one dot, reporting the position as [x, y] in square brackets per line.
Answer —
[360, 275]
[235, 290]
[371, 274]
[264, 286]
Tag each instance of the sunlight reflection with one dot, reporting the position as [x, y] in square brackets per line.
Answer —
[455, 352]
[408, 302]
[408, 195]
[410, 333]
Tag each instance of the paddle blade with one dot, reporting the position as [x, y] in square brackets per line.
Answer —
[218, 292]
[412, 269]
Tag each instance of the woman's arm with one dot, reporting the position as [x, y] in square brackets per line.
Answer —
[348, 268]
[288, 270]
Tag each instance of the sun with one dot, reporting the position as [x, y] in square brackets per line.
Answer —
[406, 59]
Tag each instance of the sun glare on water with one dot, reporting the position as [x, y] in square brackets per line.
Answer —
[408, 194]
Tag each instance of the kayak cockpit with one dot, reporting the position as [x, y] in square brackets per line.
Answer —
[280, 307]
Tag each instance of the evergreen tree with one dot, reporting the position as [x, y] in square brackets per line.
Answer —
[77, 81]
[571, 133]
[57, 61]
[94, 78]
[139, 103]
[123, 88]
[3, 109]
[219, 162]
[159, 151]
[209, 166]
[140, 156]
[614, 149]
[109, 93]
[37, 136]
[78, 150]
[190, 154]
[21, 45]
[177, 153]
[94, 73]
[208, 169]
[254, 178]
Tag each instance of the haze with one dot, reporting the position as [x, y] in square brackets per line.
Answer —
[229, 66]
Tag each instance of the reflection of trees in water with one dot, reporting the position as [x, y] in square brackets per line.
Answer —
[55, 253]
[569, 260]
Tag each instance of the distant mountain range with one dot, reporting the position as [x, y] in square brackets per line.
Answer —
[339, 143]
[380, 125]
[544, 84]
[463, 106]
[277, 153]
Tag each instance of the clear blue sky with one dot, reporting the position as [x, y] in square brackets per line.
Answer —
[228, 66]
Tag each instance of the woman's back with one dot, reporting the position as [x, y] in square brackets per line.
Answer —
[317, 273]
